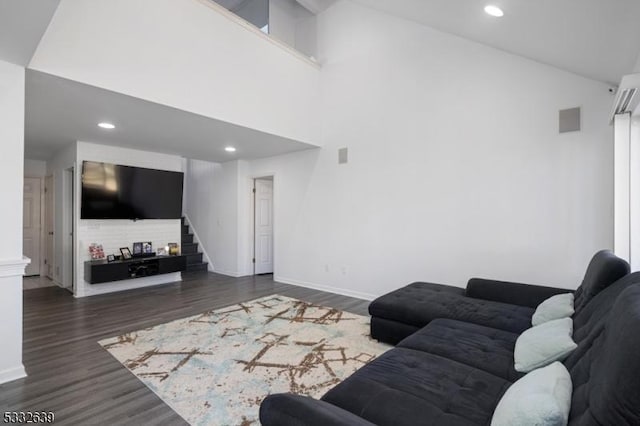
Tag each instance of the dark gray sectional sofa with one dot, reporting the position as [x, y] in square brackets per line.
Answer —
[453, 371]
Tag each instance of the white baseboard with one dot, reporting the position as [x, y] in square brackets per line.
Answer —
[113, 287]
[328, 289]
[229, 273]
[12, 374]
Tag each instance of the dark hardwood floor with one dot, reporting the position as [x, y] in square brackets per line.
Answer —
[70, 374]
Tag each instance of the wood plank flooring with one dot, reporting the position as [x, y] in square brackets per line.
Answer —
[70, 374]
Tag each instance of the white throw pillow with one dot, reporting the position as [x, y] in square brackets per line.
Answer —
[543, 344]
[542, 397]
[555, 307]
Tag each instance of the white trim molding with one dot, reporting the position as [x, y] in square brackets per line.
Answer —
[13, 267]
[325, 288]
[12, 374]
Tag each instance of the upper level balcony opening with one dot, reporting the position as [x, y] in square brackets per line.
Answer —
[285, 20]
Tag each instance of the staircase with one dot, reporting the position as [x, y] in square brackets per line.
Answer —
[190, 249]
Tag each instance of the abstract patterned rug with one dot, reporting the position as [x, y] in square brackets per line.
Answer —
[216, 368]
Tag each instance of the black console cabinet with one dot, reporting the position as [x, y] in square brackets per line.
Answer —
[101, 271]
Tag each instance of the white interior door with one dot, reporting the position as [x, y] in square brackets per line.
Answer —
[32, 224]
[263, 225]
[48, 225]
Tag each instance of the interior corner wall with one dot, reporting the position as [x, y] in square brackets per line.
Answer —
[12, 87]
[113, 234]
[456, 167]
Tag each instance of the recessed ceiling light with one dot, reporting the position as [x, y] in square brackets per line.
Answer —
[108, 126]
[494, 11]
[230, 149]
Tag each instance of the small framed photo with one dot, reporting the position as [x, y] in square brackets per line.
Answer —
[111, 258]
[96, 251]
[137, 248]
[147, 248]
[126, 253]
[161, 251]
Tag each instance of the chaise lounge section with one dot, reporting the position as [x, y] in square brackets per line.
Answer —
[496, 304]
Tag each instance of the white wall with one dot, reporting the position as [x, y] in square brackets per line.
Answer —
[294, 25]
[185, 54]
[456, 166]
[212, 209]
[35, 168]
[11, 262]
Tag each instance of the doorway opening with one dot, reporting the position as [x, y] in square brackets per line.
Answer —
[68, 203]
[263, 225]
[32, 240]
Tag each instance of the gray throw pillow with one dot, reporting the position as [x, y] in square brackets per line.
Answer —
[542, 397]
[543, 344]
[555, 307]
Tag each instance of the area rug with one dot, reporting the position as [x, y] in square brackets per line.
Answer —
[217, 367]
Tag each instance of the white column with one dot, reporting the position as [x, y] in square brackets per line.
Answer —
[11, 272]
[12, 263]
[622, 201]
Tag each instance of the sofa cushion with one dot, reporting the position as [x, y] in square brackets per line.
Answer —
[420, 303]
[390, 331]
[405, 387]
[605, 374]
[542, 397]
[485, 348]
[543, 344]
[599, 308]
[604, 269]
[555, 307]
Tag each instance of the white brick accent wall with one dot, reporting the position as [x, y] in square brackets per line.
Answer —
[114, 234]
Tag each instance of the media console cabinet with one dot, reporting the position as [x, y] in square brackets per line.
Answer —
[101, 271]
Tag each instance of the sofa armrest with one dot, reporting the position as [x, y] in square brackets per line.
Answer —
[513, 293]
[295, 410]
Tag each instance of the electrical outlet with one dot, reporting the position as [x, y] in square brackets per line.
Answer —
[326, 268]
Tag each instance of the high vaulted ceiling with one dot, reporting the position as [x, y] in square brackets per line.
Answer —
[22, 24]
[599, 39]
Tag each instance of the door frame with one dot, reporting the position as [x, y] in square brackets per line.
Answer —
[252, 217]
[42, 223]
[49, 257]
[68, 228]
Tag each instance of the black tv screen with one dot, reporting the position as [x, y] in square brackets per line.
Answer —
[110, 191]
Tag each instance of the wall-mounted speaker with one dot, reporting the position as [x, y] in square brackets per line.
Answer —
[569, 120]
[343, 155]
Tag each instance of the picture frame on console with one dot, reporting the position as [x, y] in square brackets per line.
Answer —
[126, 253]
[137, 248]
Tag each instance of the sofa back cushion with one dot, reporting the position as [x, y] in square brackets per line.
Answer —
[597, 311]
[605, 375]
[604, 269]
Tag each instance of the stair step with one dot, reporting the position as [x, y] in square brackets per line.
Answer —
[187, 238]
[194, 258]
[185, 229]
[183, 220]
[189, 248]
[197, 267]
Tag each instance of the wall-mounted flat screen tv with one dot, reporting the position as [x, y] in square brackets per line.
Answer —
[110, 191]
